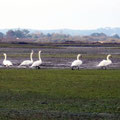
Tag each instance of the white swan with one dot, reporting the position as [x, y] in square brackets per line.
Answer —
[28, 62]
[76, 63]
[38, 62]
[6, 62]
[105, 63]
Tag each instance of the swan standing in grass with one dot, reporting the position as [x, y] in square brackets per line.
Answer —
[37, 63]
[28, 62]
[105, 63]
[6, 62]
[76, 63]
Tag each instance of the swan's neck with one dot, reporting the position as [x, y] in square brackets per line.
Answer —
[78, 57]
[31, 56]
[39, 56]
[108, 57]
[5, 57]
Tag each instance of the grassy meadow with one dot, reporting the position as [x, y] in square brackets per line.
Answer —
[59, 90]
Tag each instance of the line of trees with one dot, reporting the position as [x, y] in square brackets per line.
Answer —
[25, 36]
[15, 34]
[38, 36]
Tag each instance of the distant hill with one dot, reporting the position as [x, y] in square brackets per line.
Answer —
[108, 31]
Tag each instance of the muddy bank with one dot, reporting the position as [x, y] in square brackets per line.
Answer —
[63, 57]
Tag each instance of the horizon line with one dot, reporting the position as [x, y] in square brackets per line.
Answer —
[60, 28]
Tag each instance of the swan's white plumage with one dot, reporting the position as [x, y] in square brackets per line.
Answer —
[38, 62]
[28, 62]
[76, 63]
[6, 62]
[106, 62]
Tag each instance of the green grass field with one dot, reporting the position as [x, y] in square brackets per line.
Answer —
[60, 90]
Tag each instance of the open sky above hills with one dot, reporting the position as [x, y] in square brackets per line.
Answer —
[59, 14]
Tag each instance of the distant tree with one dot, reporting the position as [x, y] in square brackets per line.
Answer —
[34, 36]
[10, 34]
[19, 34]
[98, 34]
[25, 31]
[115, 36]
[1, 35]
[37, 35]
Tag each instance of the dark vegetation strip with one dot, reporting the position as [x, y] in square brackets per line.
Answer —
[56, 45]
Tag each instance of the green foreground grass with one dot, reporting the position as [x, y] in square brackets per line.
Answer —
[89, 91]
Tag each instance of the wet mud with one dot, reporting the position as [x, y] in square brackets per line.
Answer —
[63, 57]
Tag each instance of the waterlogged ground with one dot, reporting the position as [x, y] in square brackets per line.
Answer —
[62, 57]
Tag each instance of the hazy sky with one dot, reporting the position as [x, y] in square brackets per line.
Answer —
[57, 14]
